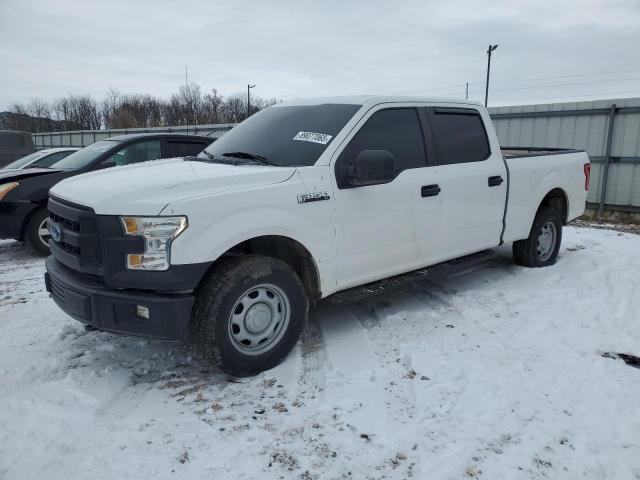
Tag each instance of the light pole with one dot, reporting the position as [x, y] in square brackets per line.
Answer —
[486, 91]
[249, 87]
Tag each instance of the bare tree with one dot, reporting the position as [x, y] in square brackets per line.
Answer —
[211, 106]
[186, 107]
[234, 108]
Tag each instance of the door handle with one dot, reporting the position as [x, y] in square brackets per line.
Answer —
[430, 190]
[495, 181]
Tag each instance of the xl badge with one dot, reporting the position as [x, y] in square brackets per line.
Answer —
[313, 197]
[56, 231]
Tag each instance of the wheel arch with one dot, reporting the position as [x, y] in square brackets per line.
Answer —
[284, 248]
[557, 199]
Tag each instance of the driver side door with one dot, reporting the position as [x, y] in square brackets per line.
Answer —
[376, 234]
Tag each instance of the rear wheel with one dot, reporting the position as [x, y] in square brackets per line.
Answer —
[541, 248]
[36, 232]
[248, 314]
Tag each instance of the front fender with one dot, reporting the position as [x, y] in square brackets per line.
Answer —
[217, 224]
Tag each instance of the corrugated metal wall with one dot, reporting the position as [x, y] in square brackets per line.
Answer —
[584, 126]
[82, 138]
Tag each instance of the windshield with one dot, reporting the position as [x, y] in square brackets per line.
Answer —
[84, 157]
[51, 159]
[21, 162]
[283, 136]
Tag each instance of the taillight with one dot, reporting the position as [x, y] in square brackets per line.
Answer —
[587, 176]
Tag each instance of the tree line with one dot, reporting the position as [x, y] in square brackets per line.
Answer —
[119, 110]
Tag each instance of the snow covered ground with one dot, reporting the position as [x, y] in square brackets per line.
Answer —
[481, 370]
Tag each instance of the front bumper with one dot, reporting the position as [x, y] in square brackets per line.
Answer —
[12, 218]
[92, 302]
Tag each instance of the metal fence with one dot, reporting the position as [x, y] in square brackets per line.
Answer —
[82, 138]
[609, 130]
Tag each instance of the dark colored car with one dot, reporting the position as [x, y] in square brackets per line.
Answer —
[24, 193]
[14, 145]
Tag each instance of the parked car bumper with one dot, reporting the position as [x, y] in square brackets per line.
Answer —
[91, 302]
[13, 216]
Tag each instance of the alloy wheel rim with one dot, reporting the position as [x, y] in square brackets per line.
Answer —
[546, 241]
[43, 232]
[259, 319]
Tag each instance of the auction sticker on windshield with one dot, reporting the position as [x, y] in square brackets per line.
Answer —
[313, 137]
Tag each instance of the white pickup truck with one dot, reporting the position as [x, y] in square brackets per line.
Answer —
[302, 200]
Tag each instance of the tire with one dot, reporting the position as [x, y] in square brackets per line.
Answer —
[34, 232]
[248, 314]
[541, 248]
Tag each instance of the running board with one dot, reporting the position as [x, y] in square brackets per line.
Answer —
[446, 269]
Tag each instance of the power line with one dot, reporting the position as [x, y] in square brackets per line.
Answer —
[560, 85]
[565, 76]
[611, 94]
[613, 72]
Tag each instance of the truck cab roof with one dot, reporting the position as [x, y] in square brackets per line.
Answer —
[371, 100]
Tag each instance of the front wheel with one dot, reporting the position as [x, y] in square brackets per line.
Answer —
[248, 314]
[541, 248]
[36, 232]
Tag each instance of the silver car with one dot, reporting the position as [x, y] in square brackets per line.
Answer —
[41, 159]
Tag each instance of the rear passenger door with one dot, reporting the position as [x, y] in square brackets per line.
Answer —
[472, 182]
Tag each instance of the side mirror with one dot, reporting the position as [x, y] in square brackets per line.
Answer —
[370, 167]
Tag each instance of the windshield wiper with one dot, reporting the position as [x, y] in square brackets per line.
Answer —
[213, 158]
[249, 156]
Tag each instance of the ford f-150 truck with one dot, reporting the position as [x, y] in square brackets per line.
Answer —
[306, 198]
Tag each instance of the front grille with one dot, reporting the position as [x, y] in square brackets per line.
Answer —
[79, 245]
[68, 225]
[65, 222]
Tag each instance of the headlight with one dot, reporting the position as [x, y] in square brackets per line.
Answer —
[6, 188]
[158, 232]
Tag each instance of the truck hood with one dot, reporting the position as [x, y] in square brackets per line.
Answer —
[145, 189]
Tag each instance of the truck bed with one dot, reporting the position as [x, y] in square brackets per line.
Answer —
[529, 181]
[519, 152]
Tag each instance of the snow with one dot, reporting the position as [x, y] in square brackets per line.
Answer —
[479, 370]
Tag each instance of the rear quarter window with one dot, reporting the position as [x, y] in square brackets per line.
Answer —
[459, 135]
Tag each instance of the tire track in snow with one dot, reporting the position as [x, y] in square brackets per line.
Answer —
[314, 356]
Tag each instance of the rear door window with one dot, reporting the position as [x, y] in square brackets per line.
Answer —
[178, 148]
[459, 134]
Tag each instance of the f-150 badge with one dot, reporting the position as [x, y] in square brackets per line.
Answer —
[313, 197]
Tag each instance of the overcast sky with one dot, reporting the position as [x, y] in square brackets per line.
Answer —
[549, 50]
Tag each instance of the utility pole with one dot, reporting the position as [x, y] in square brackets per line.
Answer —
[186, 82]
[249, 87]
[486, 91]
[466, 95]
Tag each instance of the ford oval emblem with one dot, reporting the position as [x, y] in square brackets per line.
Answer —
[56, 232]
